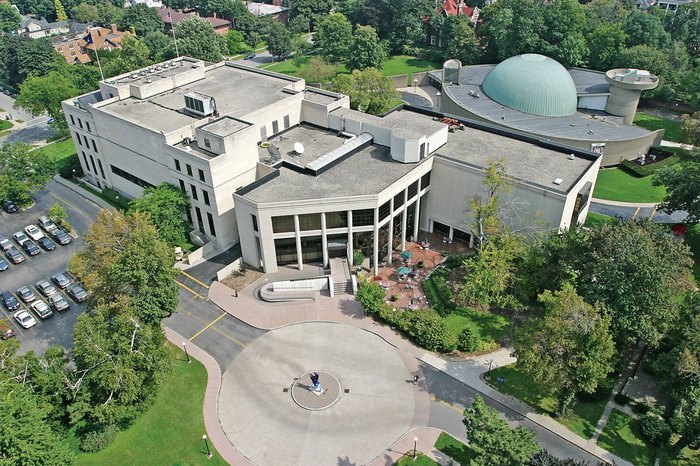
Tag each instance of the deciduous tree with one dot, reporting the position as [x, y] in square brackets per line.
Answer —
[23, 171]
[334, 35]
[369, 90]
[315, 10]
[44, 94]
[167, 206]
[605, 42]
[196, 38]
[318, 71]
[85, 13]
[366, 50]
[279, 41]
[644, 29]
[9, 18]
[160, 46]
[682, 182]
[142, 18]
[460, 40]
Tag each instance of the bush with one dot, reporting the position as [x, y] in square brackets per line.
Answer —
[602, 391]
[427, 329]
[97, 440]
[67, 165]
[655, 429]
[468, 340]
[622, 399]
[641, 408]
[358, 258]
[371, 295]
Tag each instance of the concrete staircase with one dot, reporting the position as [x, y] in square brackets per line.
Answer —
[340, 274]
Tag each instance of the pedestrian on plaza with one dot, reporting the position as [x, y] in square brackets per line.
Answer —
[415, 379]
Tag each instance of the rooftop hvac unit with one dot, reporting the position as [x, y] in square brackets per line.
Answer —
[198, 104]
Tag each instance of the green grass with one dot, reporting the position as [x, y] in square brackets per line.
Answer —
[60, 151]
[5, 124]
[285, 67]
[491, 327]
[453, 448]
[616, 185]
[594, 220]
[623, 437]
[421, 460]
[581, 418]
[406, 64]
[170, 431]
[653, 122]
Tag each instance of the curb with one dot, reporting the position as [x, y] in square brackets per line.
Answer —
[82, 192]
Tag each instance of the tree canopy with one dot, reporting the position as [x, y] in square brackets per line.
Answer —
[334, 35]
[44, 94]
[142, 18]
[196, 38]
[682, 182]
[23, 171]
[369, 90]
[9, 18]
[166, 205]
[366, 50]
[279, 40]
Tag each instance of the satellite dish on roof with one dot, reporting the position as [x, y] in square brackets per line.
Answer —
[299, 148]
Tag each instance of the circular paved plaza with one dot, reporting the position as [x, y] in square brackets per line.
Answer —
[374, 408]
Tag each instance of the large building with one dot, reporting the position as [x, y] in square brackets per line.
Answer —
[535, 94]
[296, 176]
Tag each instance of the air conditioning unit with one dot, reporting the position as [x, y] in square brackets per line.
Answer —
[198, 104]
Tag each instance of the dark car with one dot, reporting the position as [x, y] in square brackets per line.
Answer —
[6, 331]
[3, 265]
[77, 292]
[9, 301]
[61, 236]
[15, 256]
[26, 294]
[47, 244]
[61, 280]
[31, 248]
[250, 56]
[58, 303]
[5, 243]
[10, 207]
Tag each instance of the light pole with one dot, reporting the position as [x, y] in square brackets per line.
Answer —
[184, 345]
[415, 447]
[438, 94]
[488, 374]
[415, 83]
[209, 453]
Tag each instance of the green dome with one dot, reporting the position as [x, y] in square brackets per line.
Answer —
[533, 84]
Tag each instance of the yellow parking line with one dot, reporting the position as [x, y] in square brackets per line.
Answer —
[64, 201]
[191, 290]
[635, 213]
[223, 334]
[449, 405]
[194, 279]
[653, 212]
[208, 325]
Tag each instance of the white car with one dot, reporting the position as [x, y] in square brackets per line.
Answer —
[24, 319]
[20, 237]
[34, 232]
[41, 309]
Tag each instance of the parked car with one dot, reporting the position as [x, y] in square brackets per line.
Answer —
[31, 248]
[58, 302]
[9, 301]
[15, 256]
[10, 207]
[61, 280]
[46, 288]
[46, 243]
[5, 243]
[26, 294]
[77, 292]
[47, 224]
[33, 232]
[3, 265]
[20, 238]
[250, 56]
[61, 236]
[24, 319]
[41, 309]
[6, 331]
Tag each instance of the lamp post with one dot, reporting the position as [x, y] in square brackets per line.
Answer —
[415, 83]
[74, 173]
[415, 447]
[209, 453]
[184, 345]
[438, 94]
[490, 362]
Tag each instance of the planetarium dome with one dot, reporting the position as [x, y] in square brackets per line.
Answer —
[534, 84]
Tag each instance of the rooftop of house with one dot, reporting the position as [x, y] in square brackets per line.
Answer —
[173, 17]
[263, 9]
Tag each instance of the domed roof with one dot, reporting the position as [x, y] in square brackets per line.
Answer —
[533, 84]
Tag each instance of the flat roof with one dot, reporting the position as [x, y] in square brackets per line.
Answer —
[317, 142]
[225, 125]
[593, 126]
[396, 121]
[237, 91]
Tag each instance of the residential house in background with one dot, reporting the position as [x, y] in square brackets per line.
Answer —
[447, 8]
[37, 28]
[172, 17]
[75, 50]
[279, 12]
[149, 3]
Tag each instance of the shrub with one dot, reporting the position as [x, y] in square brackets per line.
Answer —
[468, 340]
[358, 258]
[427, 329]
[97, 440]
[655, 429]
[622, 399]
[371, 296]
[67, 166]
[640, 408]
[602, 391]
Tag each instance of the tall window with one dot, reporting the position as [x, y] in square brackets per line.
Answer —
[183, 189]
[189, 169]
[194, 192]
[94, 146]
[205, 194]
[102, 172]
[201, 174]
[210, 219]
[87, 124]
[275, 127]
[72, 120]
[286, 121]
[199, 219]
[177, 165]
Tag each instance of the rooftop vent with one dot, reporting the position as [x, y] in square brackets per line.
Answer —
[571, 157]
[558, 181]
[199, 104]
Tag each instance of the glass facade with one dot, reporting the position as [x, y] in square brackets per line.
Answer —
[361, 218]
[286, 251]
[283, 224]
[336, 219]
[309, 222]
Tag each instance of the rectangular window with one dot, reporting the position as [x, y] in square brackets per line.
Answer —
[94, 146]
[413, 189]
[87, 143]
[77, 136]
[72, 120]
[361, 218]
[283, 224]
[275, 127]
[210, 219]
[177, 165]
[189, 216]
[384, 211]
[310, 222]
[263, 133]
[337, 219]
[194, 192]
[87, 125]
[286, 121]
[80, 123]
[199, 219]
[201, 174]
[205, 194]
[432, 40]
[183, 188]
[128, 176]
[94, 168]
[207, 143]
[87, 165]
[255, 222]
[189, 169]
[398, 200]
[425, 181]
[102, 172]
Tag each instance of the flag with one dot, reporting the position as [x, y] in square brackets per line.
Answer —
[170, 17]
[88, 38]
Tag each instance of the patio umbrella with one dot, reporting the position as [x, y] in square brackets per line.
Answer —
[406, 255]
[403, 271]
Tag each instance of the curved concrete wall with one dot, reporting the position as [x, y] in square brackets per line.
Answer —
[623, 102]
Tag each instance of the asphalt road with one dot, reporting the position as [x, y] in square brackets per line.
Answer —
[34, 132]
[638, 213]
[57, 329]
[7, 103]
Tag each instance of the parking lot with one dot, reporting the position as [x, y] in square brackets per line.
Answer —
[58, 328]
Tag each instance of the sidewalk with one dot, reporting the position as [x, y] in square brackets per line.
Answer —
[624, 204]
[83, 192]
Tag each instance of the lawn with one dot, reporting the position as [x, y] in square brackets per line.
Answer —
[60, 151]
[491, 327]
[616, 185]
[594, 220]
[169, 432]
[421, 460]
[653, 122]
[623, 437]
[453, 448]
[5, 124]
[581, 418]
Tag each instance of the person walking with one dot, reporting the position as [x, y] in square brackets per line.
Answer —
[415, 379]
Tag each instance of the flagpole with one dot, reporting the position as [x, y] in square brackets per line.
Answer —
[172, 28]
[102, 76]
[89, 41]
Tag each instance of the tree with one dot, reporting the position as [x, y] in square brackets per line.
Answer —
[44, 94]
[399, 23]
[160, 46]
[645, 29]
[605, 42]
[40, 8]
[334, 35]
[369, 90]
[657, 61]
[299, 25]
[545, 458]
[686, 420]
[371, 295]
[167, 206]
[60, 11]
[318, 71]
[492, 441]
[9, 18]
[460, 40]
[315, 10]
[196, 38]
[691, 129]
[25, 436]
[682, 182]
[487, 209]
[85, 13]
[22, 57]
[132, 55]
[23, 171]
[142, 19]
[279, 41]
[126, 266]
[684, 26]
[429, 330]
[58, 213]
[569, 350]
[235, 42]
[366, 50]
